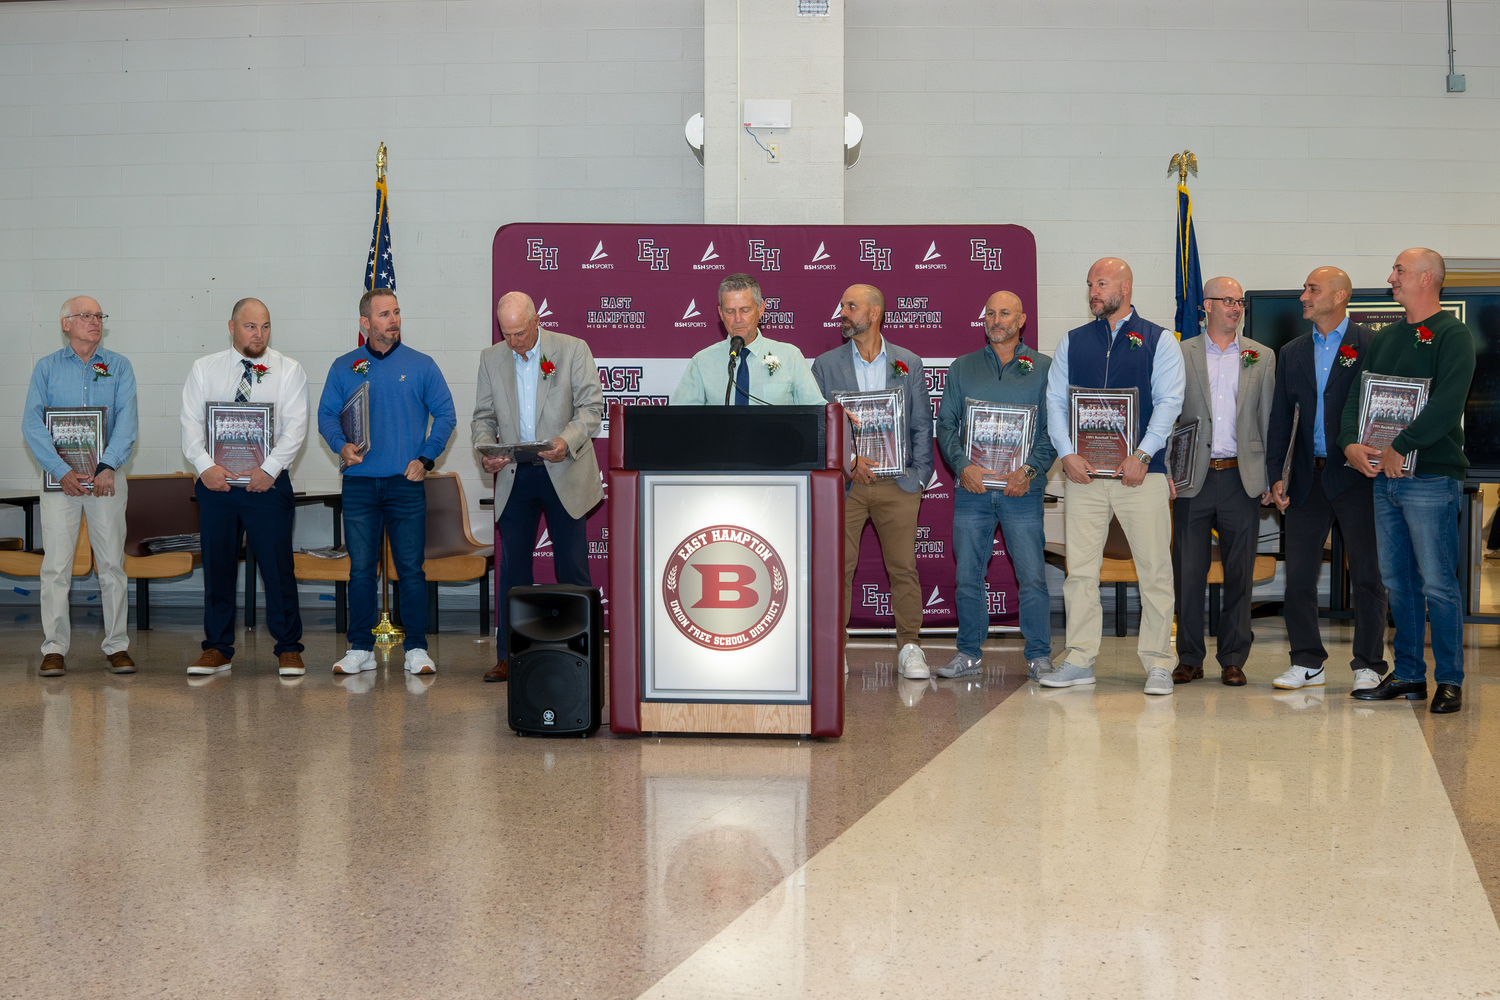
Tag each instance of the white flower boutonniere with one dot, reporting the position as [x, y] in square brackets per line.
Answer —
[772, 362]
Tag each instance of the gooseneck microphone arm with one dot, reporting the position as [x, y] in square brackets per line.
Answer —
[736, 348]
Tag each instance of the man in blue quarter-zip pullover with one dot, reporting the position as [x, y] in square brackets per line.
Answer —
[1003, 371]
[383, 488]
[1118, 350]
[83, 374]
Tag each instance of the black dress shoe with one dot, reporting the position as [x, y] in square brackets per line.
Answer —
[1393, 688]
[1449, 698]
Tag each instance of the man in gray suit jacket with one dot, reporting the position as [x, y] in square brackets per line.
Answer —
[870, 362]
[1230, 381]
[538, 386]
[1318, 371]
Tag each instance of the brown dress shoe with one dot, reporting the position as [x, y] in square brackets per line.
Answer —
[289, 664]
[211, 662]
[120, 663]
[1234, 676]
[1184, 672]
[499, 672]
[52, 666]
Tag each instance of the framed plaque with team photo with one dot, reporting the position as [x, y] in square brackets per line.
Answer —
[998, 437]
[1103, 425]
[354, 420]
[240, 436]
[1182, 453]
[79, 434]
[1387, 406]
[878, 419]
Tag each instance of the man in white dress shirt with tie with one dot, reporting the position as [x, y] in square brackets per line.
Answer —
[262, 510]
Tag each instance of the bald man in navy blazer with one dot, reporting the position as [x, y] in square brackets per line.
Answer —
[1318, 371]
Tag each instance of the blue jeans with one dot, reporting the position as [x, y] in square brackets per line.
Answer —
[975, 516]
[399, 507]
[1416, 534]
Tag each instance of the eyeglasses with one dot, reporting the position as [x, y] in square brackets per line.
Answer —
[96, 317]
[1228, 302]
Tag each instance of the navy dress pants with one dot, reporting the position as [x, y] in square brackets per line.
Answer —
[264, 520]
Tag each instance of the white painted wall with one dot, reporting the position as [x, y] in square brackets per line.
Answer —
[1323, 129]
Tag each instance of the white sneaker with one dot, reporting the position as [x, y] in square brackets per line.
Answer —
[1071, 675]
[1301, 677]
[1158, 681]
[418, 662]
[913, 663]
[1365, 679]
[355, 661]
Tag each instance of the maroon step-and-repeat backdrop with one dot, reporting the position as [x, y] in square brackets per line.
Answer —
[645, 299]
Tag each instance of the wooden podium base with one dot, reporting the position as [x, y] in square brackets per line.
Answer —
[697, 717]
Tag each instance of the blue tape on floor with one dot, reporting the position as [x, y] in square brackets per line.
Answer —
[325, 597]
[23, 593]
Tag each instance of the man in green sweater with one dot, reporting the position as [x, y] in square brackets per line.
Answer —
[1416, 513]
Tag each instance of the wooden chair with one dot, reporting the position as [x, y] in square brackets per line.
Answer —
[1118, 568]
[18, 562]
[306, 567]
[453, 554]
[156, 506]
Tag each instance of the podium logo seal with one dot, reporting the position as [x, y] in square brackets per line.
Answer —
[725, 587]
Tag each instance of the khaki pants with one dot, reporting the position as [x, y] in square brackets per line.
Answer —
[60, 520]
[1147, 520]
[894, 514]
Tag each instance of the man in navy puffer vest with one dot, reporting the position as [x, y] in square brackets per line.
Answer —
[1117, 350]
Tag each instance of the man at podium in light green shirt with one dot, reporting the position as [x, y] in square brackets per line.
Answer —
[769, 372]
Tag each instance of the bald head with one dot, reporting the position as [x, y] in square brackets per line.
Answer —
[1325, 298]
[1222, 318]
[1003, 320]
[242, 304]
[250, 327]
[1109, 285]
[861, 310]
[1417, 282]
[518, 321]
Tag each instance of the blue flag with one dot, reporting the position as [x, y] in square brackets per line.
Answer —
[1189, 275]
[380, 269]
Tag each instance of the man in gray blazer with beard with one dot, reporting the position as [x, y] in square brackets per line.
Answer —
[538, 386]
[1230, 382]
[870, 362]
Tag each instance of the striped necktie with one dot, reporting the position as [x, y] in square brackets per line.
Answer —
[242, 394]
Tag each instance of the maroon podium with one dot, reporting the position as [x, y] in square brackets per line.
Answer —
[726, 569]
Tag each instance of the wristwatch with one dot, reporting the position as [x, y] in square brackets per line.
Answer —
[1029, 470]
[1142, 457]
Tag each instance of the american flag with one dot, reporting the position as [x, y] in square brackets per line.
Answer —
[380, 269]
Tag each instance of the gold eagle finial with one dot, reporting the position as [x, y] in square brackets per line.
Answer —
[1183, 162]
[380, 163]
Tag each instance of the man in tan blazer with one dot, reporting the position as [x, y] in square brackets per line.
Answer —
[1230, 382]
[538, 386]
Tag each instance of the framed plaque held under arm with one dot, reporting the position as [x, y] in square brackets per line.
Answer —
[1387, 406]
[998, 437]
[354, 421]
[240, 436]
[878, 418]
[79, 433]
[1182, 453]
[1103, 425]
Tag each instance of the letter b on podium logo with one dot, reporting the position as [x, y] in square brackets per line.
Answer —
[725, 587]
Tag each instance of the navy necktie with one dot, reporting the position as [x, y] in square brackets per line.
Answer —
[742, 380]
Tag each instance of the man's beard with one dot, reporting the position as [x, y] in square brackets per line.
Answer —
[1109, 306]
[849, 328]
[253, 354]
[1004, 333]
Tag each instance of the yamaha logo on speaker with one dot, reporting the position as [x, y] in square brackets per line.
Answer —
[725, 587]
[549, 717]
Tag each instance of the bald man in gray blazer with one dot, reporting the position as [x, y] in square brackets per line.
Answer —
[1231, 380]
[538, 385]
[869, 362]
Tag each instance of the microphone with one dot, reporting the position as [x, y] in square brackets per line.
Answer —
[736, 345]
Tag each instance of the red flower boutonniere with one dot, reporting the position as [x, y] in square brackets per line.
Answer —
[101, 370]
[547, 368]
[1424, 335]
[1249, 357]
[1347, 356]
[1025, 365]
[362, 366]
[261, 371]
[899, 370]
[1135, 340]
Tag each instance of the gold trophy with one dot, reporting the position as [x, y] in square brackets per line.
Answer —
[386, 632]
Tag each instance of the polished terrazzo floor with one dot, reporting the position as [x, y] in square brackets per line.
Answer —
[387, 836]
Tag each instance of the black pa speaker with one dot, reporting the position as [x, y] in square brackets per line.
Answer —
[555, 686]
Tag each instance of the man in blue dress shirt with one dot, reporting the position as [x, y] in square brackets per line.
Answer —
[83, 374]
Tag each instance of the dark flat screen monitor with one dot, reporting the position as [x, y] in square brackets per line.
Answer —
[1274, 318]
